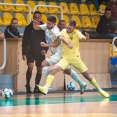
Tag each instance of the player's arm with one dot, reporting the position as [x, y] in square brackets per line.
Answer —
[64, 40]
[36, 26]
[86, 37]
[53, 44]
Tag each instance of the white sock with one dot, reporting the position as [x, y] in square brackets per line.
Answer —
[75, 76]
[45, 71]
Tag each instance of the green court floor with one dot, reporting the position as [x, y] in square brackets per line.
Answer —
[58, 100]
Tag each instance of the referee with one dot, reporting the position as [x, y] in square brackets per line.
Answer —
[32, 51]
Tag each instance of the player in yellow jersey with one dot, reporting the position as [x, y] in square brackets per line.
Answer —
[71, 57]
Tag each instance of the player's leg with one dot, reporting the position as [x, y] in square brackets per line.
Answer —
[38, 61]
[75, 76]
[95, 84]
[49, 79]
[52, 60]
[61, 65]
[45, 69]
[79, 65]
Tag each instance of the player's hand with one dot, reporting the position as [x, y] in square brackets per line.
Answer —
[35, 25]
[35, 22]
[1, 36]
[43, 52]
[24, 57]
[87, 36]
[42, 44]
[70, 46]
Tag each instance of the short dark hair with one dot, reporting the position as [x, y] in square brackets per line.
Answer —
[52, 19]
[61, 21]
[72, 23]
[37, 12]
[107, 9]
[14, 19]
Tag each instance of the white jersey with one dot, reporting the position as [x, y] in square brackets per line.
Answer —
[51, 36]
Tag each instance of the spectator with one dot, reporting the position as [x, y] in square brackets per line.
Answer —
[61, 24]
[11, 31]
[97, 4]
[1, 35]
[31, 40]
[113, 7]
[103, 27]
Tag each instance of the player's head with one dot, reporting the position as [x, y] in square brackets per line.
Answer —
[71, 26]
[14, 23]
[51, 21]
[107, 13]
[62, 24]
[37, 16]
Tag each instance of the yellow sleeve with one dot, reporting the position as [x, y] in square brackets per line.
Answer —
[80, 35]
[62, 33]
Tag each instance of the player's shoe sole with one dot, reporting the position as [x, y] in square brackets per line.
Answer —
[43, 90]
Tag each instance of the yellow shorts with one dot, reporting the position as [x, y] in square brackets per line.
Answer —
[76, 62]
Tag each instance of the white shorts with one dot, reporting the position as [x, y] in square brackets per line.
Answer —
[55, 58]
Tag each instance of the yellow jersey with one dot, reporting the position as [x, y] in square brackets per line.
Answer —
[73, 38]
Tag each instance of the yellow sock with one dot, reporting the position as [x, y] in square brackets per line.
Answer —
[95, 84]
[49, 80]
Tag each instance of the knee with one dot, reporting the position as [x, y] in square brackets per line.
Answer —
[44, 63]
[53, 71]
[68, 72]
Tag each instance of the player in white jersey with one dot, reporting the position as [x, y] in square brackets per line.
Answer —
[52, 32]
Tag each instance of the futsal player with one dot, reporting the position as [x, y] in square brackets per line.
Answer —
[71, 57]
[52, 32]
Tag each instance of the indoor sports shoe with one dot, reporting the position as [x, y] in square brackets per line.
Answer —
[83, 87]
[50, 87]
[103, 93]
[36, 89]
[43, 89]
[28, 89]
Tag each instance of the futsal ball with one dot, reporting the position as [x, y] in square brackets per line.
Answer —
[7, 93]
[71, 86]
